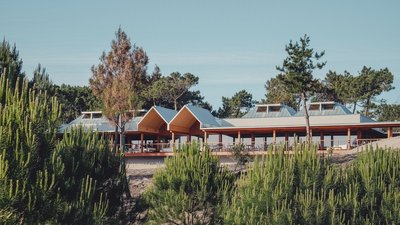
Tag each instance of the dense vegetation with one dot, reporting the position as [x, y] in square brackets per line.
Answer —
[190, 190]
[302, 188]
[44, 180]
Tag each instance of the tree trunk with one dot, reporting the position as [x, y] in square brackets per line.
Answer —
[176, 104]
[366, 107]
[354, 107]
[307, 117]
[122, 134]
[116, 137]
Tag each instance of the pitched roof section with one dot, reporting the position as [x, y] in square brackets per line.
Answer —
[325, 109]
[270, 110]
[100, 124]
[165, 113]
[204, 116]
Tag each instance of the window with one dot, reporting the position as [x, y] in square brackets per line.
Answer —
[274, 108]
[314, 107]
[96, 115]
[328, 106]
[86, 116]
[261, 109]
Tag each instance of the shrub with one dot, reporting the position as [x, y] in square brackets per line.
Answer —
[305, 188]
[190, 189]
[45, 181]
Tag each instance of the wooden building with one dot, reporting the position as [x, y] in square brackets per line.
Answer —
[161, 129]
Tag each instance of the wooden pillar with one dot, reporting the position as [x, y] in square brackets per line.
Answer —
[321, 140]
[286, 140]
[141, 141]
[220, 139]
[332, 141]
[348, 138]
[188, 138]
[239, 138]
[158, 146]
[265, 144]
[173, 140]
[274, 136]
[359, 137]
[390, 132]
[205, 137]
[253, 140]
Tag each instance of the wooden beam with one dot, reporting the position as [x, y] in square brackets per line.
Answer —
[205, 137]
[253, 140]
[220, 139]
[141, 141]
[178, 129]
[173, 140]
[390, 132]
[321, 140]
[348, 138]
[239, 138]
[274, 136]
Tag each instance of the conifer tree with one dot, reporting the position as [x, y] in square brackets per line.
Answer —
[297, 72]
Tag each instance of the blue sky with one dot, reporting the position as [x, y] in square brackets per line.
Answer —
[230, 45]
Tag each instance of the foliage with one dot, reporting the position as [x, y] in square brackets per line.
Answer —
[237, 106]
[170, 89]
[46, 181]
[10, 63]
[189, 190]
[119, 79]
[297, 72]
[373, 83]
[277, 93]
[388, 112]
[305, 188]
[363, 88]
[241, 155]
[346, 88]
[74, 100]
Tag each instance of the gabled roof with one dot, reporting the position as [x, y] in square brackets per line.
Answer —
[155, 118]
[262, 111]
[204, 116]
[165, 113]
[338, 109]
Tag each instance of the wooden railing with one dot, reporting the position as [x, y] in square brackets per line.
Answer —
[258, 146]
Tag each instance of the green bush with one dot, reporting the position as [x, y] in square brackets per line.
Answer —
[305, 188]
[190, 189]
[46, 181]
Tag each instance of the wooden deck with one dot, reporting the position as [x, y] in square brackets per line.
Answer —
[226, 153]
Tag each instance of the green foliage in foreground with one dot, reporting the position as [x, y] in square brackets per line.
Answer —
[304, 188]
[45, 181]
[190, 189]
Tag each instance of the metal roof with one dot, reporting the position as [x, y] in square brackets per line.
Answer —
[165, 113]
[204, 116]
[99, 124]
[284, 111]
[338, 109]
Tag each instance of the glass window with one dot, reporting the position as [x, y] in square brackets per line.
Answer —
[261, 109]
[328, 106]
[274, 108]
[314, 107]
[97, 115]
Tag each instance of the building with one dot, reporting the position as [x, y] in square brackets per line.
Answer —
[161, 129]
